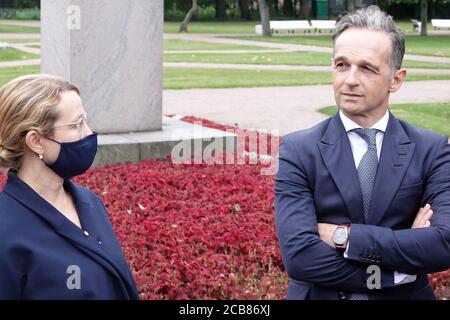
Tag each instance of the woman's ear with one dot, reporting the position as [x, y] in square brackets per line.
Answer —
[397, 81]
[34, 141]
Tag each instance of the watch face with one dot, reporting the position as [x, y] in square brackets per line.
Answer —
[340, 236]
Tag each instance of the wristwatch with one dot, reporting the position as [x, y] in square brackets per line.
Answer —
[340, 237]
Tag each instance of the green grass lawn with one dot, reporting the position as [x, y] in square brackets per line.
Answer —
[12, 54]
[433, 116]
[169, 27]
[406, 26]
[435, 45]
[235, 27]
[213, 27]
[176, 44]
[185, 78]
[286, 58]
[7, 74]
[7, 28]
[188, 78]
[424, 65]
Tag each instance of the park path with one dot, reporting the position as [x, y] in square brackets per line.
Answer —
[285, 109]
[280, 67]
[22, 23]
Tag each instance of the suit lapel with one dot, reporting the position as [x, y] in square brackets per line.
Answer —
[89, 247]
[338, 158]
[396, 154]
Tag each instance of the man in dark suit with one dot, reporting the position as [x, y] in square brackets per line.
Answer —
[362, 199]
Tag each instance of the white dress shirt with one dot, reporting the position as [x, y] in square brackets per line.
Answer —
[359, 147]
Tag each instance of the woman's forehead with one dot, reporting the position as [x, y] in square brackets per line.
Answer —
[70, 106]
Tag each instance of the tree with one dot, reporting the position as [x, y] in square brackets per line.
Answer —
[245, 10]
[265, 18]
[220, 10]
[350, 5]
[423, 17]
[305, 9]
[187, 19]
[288, 8]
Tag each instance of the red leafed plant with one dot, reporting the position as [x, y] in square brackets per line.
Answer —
[198, 231]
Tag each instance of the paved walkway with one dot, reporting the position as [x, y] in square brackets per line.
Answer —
[279, 67]
[285, 109]
[20, 63]
[22, 23]
[25, 47]
[282, 108]
[6, 36]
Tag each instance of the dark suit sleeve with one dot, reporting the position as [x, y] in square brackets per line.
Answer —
[423, 250]
[305, 255]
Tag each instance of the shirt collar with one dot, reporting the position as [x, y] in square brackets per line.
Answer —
[349, 124]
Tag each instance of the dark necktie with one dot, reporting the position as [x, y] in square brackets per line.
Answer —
[367, 171]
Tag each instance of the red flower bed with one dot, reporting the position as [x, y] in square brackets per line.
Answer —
[198, 231]
[194, 231]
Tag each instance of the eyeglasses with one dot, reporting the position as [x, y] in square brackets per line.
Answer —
[80, 126]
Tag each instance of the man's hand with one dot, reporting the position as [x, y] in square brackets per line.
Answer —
[423, 217]
[326, 231]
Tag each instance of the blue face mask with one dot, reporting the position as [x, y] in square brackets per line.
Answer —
[75, 157]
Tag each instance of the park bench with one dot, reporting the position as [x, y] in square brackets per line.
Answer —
[319, 25]
[440, 23]
[286, 25]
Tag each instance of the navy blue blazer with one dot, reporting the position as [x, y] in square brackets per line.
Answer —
[317, 182]
[43, 255]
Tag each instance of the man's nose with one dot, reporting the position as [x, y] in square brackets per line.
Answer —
[352, 78]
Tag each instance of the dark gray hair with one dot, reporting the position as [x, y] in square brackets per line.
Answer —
[374, 19]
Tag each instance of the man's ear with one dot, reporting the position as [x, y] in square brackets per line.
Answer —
[397, 81]
[33, 141]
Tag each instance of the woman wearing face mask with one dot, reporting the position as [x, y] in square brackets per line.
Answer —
[56, 241]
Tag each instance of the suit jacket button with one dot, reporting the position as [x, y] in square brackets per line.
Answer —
[86, 233]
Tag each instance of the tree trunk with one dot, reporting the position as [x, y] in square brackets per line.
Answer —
[423, 17]
[305, 9]
[350, 5]
[7, 4]
[265, 18]
[187, 19]
[245, 10]
[220, 10]
[288, 8]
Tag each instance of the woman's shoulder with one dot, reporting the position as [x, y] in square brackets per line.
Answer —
[13, 218]
[7, 205]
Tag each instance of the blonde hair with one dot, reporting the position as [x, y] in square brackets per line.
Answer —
[28, 103]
